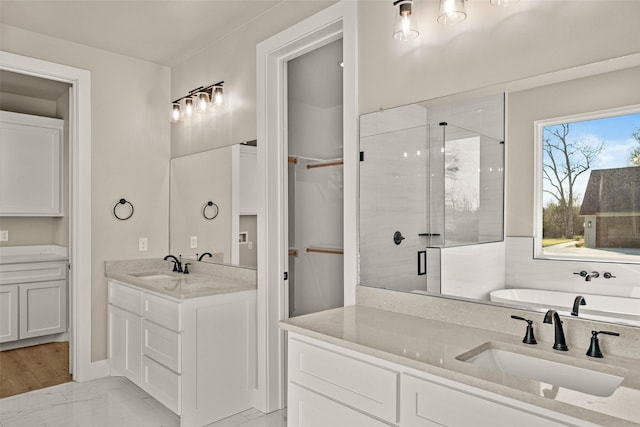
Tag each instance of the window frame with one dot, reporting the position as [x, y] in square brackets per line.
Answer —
[538, 205]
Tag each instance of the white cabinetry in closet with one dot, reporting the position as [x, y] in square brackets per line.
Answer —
[331, 385]
[30, 165]
[33, 299]
[8, 313]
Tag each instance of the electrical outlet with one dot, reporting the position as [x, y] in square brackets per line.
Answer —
[143, 244]
[250, 245]
[4, 235]
[194, 242]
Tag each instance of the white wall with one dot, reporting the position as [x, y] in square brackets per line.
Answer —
[130, 152]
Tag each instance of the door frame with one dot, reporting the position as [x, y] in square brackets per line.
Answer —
[272, 55]
[81, 364]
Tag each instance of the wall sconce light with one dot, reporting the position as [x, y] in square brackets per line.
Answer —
[452, 12]
[406, 27]
[204, 98]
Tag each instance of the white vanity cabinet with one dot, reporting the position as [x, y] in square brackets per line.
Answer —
[33, 300]
[331, 385]
[196, 356]
[30, 165]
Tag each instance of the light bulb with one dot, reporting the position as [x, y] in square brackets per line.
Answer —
[188, 106]
[452, 12]
[203, 102]
[176, 114]
[406, 26]
[218, 95]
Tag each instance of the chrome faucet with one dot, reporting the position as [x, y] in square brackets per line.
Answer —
[559, 343]
[577, 303]
[177, 263]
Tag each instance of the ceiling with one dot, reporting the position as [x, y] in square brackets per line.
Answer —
[165, 32]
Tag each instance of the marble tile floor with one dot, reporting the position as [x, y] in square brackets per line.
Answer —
[107, 402]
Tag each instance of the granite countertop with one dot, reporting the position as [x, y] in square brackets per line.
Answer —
[155, 276]
[432, 346]
[183, 286]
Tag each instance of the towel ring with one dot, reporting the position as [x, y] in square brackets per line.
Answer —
[123, 202]
[214, 210]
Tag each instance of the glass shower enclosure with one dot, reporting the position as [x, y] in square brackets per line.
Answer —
[431, 177]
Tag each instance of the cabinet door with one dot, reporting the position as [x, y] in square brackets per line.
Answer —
[125, 344]
[43, 308]
[30, 165]
[8, 313]
[308, 409]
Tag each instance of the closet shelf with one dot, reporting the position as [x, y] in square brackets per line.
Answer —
[335, 251]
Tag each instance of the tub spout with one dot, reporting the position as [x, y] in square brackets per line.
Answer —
[577, 303]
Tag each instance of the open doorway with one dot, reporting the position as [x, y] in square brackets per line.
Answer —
[336, 22]
[79, 209]
[36, 219]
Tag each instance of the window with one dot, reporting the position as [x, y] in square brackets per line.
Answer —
[589, 186]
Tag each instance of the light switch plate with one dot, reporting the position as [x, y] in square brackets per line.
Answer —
[194, 242]
[4, 235]
[143, 244]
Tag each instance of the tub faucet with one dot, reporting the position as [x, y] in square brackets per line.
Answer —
[203, 255]
[177, 263]
[559, 343]
[577, 303]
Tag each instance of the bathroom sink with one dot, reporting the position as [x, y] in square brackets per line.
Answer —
[578, 378]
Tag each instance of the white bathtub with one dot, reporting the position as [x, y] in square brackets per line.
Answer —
[599, 307]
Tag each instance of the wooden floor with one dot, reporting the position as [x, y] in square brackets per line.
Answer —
[33, 368]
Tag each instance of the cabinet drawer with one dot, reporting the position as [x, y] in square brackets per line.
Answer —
[126, 298]
[162, 311]
[426, 404]
[308, 409]
[32, 272]
[355, 383]
[162, 345]
[162, 383]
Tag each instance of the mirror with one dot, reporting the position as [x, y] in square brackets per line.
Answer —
[213, 206]
[415, 179]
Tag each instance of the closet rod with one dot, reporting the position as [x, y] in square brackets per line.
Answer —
[326, 251]
[292, 159]
[324, 165]
[293, 252]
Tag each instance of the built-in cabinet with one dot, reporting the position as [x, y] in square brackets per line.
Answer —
[195, 356]
[33, 300]
[331, 385]
[30, 165]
